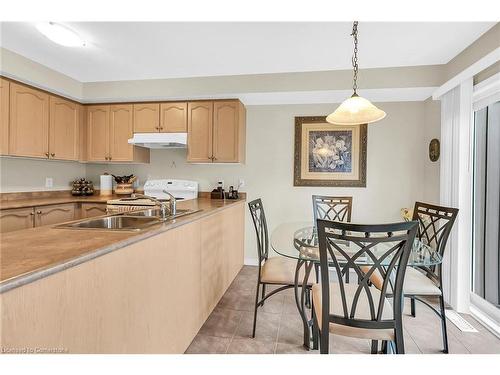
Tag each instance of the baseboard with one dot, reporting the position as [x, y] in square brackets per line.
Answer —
[250, 262]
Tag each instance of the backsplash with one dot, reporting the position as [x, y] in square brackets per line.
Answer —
[23, 174]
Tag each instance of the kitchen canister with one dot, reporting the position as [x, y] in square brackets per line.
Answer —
[106, 186]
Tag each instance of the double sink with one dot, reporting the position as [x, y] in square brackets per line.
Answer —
[129, 221]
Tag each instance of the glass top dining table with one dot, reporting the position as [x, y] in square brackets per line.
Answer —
[299, 240]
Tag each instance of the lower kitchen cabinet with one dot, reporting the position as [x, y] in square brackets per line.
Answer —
[16, 219]
[49, 215]
[92, 209]
[151, 296]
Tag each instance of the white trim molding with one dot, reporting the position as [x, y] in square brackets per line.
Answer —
[250, 262]
[483, 63]
[487, 314]
[486, 92]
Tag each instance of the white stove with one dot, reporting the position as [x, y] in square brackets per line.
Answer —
[180, 189]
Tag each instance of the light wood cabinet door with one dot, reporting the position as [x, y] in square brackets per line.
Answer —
[98, 133]
[64, 129]
[212, 263]
[200, 132]
[92, 209]
[29, 122]
[173, 117]
[226, 132]
[4, 116]
[16, 219]
[146, 118]
[49, 215]
[120, 131]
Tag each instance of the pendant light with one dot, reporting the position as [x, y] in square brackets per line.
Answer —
[356, 109]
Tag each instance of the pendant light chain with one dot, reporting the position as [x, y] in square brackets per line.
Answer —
[355, 110]
[355, 56]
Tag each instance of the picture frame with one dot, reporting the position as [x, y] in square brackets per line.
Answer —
[329, 155]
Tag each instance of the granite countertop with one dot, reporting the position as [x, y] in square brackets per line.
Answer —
[47, 201]
[30, 254]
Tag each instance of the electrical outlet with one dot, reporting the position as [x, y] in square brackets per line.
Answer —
[241, 182]
[49, 182]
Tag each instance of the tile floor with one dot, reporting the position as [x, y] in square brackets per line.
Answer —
[279, 328]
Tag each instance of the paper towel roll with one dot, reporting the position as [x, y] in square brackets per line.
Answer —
[106, 186]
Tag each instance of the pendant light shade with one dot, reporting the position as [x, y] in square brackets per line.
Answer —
[355, 110]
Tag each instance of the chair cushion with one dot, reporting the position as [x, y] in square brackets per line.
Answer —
[362, 311]
[416, 282]
[281, 270]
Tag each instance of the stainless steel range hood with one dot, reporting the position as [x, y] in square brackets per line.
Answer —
[159, 140]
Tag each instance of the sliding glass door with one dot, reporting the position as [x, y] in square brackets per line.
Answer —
[486, 250]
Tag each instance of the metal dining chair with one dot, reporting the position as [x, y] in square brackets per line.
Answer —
[331, 208]
[360, 310]
[435, 225]
[272, 270]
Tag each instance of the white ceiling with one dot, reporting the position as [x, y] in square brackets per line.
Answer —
[131, 51]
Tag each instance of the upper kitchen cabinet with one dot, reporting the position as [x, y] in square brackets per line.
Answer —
[216, 132]
[4, 116]
[97, 132]
[64, 129]
[109, 128]
[146, 118]
[173, 117]
[229, 132]
[200, 131]
[28, 122]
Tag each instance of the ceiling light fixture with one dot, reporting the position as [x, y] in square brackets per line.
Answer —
[356, 109]
[60, 34]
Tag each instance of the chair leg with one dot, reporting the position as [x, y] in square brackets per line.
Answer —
[412, 305]
[263, 293]
[255, 310]
[374, 347]
[316, 269]
[385, 347]
[324, 342]
[443, 324]
[399, 340]
[315, 330]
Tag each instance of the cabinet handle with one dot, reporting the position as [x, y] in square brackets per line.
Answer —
[32, 213]
[39, 212]
[157, 127]
[109, 158]
[161, 127]
[47, 154]
[52, 154]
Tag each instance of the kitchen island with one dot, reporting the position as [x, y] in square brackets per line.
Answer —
[100, 291]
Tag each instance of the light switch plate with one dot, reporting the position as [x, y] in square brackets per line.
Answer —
[49, 182]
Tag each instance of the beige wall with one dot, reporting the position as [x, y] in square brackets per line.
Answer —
[397, 155]
[19, 174]
[431, 129]
[487, 43]
[28, 71]
[156, 89]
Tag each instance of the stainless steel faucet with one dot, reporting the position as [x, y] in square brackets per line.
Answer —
[172, 204]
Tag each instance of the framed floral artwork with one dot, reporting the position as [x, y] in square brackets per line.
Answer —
[329, 155]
